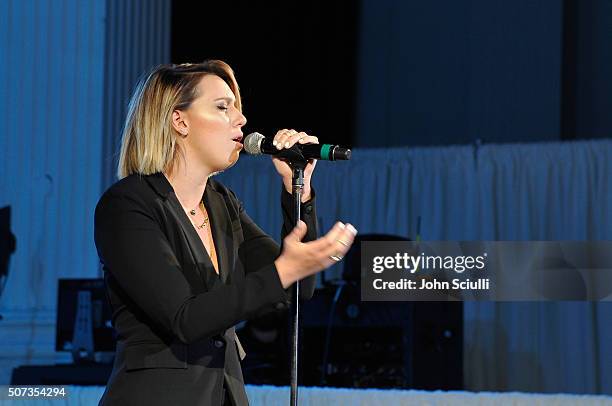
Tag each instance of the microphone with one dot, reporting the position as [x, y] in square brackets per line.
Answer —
[256, 144]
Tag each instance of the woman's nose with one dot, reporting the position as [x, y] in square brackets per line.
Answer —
[240, 119]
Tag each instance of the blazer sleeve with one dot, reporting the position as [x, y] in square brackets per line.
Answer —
[259, 249]
[133, 248]
[308, 214]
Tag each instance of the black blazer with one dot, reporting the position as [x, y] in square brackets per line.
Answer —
[176, 342]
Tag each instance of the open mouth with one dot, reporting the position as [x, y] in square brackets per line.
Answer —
[237, 139]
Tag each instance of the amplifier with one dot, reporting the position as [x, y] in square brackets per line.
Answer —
[417, 345]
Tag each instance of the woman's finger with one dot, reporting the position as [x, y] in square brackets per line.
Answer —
[346, 238]
[282, 137]
[327, 242]
[309, 139]
[293, 138]
[279, 138]
[343, 242]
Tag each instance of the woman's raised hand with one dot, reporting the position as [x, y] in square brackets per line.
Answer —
[286, 139]
[299, 260]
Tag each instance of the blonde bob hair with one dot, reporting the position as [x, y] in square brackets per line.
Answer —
[148, 142]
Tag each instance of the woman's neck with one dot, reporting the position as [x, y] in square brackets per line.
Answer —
[188, 186]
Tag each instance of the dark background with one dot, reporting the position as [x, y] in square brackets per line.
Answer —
[294, 61]
[381, 74]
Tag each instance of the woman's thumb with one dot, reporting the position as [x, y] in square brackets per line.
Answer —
[299, 231]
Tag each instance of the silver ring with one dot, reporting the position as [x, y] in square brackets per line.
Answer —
[336, 257]
[346, 244]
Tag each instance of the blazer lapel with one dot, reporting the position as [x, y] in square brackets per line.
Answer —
[221, 228]
[220, 223]
[194, 242]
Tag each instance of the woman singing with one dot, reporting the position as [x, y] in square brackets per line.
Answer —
[183, 262]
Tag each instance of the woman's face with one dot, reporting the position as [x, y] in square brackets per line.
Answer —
[213, 125]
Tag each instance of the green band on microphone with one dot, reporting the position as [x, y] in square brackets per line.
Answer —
[325, 151]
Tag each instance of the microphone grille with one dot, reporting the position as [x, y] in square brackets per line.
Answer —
[252, 143]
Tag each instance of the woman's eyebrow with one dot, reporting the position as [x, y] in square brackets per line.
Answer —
[227, 99]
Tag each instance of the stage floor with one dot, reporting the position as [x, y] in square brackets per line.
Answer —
[272, 396]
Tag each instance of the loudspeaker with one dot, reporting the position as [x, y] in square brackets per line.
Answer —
[356, 344]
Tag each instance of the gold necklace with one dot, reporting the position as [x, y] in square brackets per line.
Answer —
[201, 226]
[193, 213]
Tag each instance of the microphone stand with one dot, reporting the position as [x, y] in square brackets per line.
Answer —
[297, 164]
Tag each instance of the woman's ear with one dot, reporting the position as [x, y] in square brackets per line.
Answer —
[179, 123]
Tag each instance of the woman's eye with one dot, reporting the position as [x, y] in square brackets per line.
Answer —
[222, 107]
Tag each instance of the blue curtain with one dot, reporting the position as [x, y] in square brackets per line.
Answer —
[540, 191]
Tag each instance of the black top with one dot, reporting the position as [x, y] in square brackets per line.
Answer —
[173, 316]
